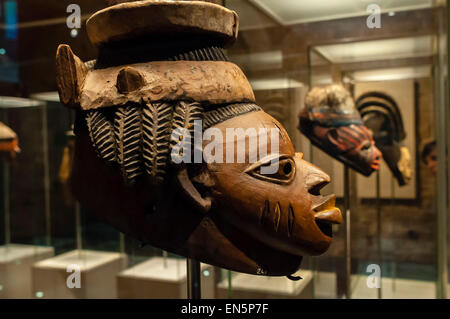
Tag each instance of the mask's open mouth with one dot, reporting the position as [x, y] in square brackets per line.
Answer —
[9, 145]
[375, 165]
[325, 212]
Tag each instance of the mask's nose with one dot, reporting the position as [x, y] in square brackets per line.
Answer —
[315, 178]
[377, 154]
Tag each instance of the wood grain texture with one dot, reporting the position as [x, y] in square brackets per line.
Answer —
[167, 18]
[129, 80]
[70, 75]
[210, 82]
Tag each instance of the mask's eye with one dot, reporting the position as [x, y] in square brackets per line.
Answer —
[366, 146]
[280, 170]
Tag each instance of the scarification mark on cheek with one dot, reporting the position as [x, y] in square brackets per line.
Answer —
[277, 216]
[291, 220]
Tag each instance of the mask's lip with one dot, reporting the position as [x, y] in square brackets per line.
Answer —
[323, 202]
[326, 211]
[331, 216]
[375, 164]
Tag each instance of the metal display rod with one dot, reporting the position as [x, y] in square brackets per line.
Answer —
[6, 204]
[193, 279]
[394, 265]
[230, 287]
[47, 182]
[378, 208]
[6, 195]
[348, 256]
[78, 230]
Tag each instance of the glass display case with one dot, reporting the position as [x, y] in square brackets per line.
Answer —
[391, 57]
[26, 217]
[382, 218]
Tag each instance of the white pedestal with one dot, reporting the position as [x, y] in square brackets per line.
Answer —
[152, 279]
[393, 288]
[15, 268]
[325, 285]
[98, 272]
[246, 286]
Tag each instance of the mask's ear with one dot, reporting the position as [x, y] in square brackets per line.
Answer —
[202, 179]
[70, 75]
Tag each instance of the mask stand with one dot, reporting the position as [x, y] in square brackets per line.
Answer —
[78, 230]
[122, 249]
[378, 209]
[6, 204]
[230, 289]
[6, 196]
[394, 265]
[193, 279]
[47, 207]
[347, 243]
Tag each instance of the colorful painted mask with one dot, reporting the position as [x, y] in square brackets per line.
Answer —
[9, 143]
[332, 123]
[138, 162]
[380, 113]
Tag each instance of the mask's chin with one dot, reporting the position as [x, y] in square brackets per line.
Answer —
[401, 168]
[404, 164]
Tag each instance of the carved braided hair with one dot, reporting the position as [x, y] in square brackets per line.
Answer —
[140, 137]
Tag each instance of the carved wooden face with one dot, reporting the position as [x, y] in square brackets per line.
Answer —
[396, 157]
[354, 143]
[284, 209]
[232, 215]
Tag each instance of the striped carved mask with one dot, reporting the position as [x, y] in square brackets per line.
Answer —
[332, 123]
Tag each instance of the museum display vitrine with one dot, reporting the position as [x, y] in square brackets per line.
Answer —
[93, 144]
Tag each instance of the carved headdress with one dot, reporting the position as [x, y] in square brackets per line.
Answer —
[185, 81]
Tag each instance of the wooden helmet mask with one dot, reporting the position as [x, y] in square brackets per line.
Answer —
[160, 78]
[331, 121]
[381, 114]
